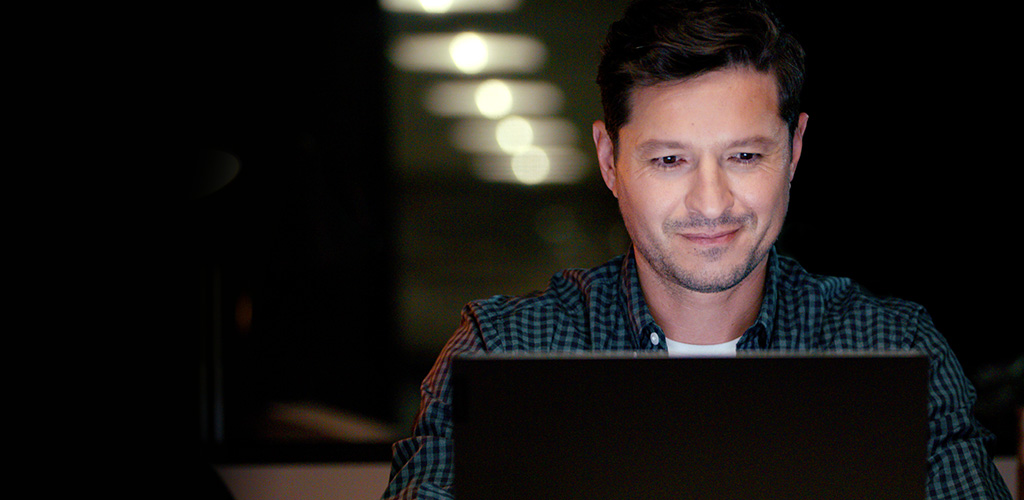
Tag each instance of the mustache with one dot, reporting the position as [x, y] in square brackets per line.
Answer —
[698, 221]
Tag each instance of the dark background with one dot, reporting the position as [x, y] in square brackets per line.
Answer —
[907, 184]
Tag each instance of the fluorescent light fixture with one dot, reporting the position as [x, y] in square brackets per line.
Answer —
[448, 6]
[513, 134]
[494, 98]
[533, 165]
[468, 53]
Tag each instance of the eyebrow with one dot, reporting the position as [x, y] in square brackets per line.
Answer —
[757, 140]
[650, 146]
[653, 145]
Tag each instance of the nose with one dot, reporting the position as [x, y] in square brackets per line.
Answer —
[710, 193]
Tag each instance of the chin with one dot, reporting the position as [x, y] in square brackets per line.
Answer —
[717, 270]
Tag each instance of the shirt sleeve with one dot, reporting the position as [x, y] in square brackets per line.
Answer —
[422, 465]
[959, 465]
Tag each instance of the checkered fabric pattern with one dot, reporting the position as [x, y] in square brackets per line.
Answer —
[603, 309]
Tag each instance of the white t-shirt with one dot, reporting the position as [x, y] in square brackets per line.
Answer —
[681, 349]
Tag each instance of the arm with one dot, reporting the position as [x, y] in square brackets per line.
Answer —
[959, 464]
[422, 464]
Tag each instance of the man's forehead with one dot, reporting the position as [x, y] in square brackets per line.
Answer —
[734, 98]
[730, 79]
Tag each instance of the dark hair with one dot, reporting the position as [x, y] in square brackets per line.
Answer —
[660, 41]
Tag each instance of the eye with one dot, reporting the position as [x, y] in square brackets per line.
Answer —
[746, 158]
[667, 161]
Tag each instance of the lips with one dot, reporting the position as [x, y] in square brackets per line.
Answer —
[712, 238]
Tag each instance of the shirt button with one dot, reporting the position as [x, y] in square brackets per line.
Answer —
[655, 339]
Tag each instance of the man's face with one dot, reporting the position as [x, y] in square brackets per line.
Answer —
[702, 176]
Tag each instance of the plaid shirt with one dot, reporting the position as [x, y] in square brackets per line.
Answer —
[603, 309]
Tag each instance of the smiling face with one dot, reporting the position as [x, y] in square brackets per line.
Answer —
[701, 172]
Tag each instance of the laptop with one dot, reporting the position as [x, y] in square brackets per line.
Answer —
[635, 426]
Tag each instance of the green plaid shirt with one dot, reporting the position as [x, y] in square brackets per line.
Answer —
[603, 309]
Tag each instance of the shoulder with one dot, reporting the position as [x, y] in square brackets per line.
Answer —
[838, 313]
[548, 318]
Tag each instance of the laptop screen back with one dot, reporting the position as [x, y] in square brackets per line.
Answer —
[850, 426]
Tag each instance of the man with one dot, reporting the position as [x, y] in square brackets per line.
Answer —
[701, 139]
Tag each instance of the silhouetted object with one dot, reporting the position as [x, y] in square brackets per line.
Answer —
[211, 486]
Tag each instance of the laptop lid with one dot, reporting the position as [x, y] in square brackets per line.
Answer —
[628, 426]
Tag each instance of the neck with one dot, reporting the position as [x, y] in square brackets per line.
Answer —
[703, 318]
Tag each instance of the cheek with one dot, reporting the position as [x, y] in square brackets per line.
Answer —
[650, 203]
[643, 209]
[762, 194]
[768, 201]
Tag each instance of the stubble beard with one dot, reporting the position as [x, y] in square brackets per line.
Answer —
[702, 279]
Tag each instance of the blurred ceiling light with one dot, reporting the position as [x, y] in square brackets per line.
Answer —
[533, 165]
[494, 98]
[512, 134]
[468, 53]
[436, 6]
[449, 6]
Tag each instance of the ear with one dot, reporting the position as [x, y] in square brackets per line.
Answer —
[605, 155]
[798, 144]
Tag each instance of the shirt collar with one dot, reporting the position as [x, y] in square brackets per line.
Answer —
[759, 335]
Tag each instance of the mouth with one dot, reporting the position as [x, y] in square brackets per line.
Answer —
[712, 238]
